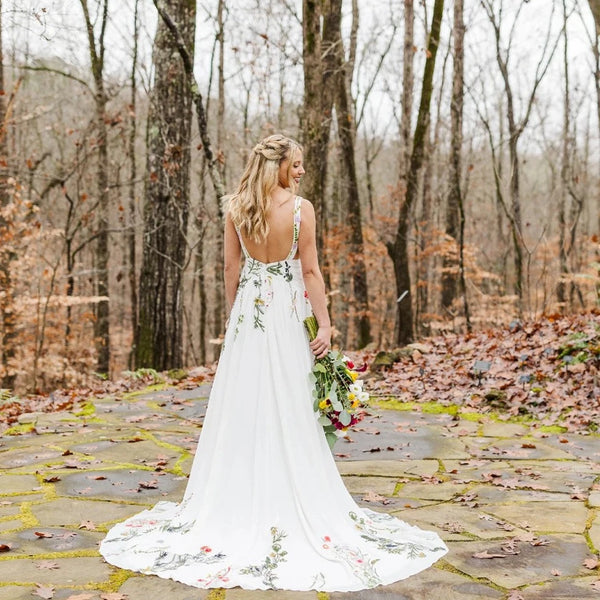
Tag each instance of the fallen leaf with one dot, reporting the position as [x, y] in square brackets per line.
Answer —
[596, 585]
[514, 595]
[51, 479]
[43, 534]
[371, 496]
[540, 542]
[89, 525]
[148, 485]
[47, 564]
[528, 445]
[556, 572]
[44, 591]
[486, 554]
[4, 548]
[452, 527]
[591, 563]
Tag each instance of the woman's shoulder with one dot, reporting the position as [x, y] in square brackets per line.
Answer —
[306, 205]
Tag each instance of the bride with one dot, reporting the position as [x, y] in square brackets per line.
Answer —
[265, 507]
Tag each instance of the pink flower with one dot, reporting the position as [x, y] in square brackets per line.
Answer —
[327, 538]
[206, 549]
[305, 294]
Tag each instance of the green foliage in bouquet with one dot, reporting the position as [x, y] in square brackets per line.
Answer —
[337, 392]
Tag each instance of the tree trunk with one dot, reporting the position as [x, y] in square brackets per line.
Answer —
[7, 315]
[159, 335]
[595, 7]
[564, 171]
[452, 225]
[131, 237]
[352, 212]
[96, 49]
[398, 250]
[219, 308]
[408, 81]
[318, 63]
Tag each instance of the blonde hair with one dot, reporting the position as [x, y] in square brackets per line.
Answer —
[250, 203]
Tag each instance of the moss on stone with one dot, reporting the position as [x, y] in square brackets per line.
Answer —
[19, 429]
[87, 410]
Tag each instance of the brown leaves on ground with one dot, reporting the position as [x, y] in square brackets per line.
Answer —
[47, 564]
[371, 496]
[43, 591]
[43, 534]
[71, 399]
[547, 368]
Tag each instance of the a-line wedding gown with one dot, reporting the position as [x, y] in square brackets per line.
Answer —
[265, 507]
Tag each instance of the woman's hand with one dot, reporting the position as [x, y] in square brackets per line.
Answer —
[320, 345]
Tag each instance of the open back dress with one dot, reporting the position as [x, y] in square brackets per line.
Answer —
[265, 506]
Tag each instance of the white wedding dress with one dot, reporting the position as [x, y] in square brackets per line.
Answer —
[265, 507]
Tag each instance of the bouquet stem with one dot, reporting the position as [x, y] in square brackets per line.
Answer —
[312, 327]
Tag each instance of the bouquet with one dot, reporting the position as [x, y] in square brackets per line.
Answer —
[338, 393]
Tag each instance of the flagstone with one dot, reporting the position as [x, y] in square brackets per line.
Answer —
[380, 485]
[62, 540]
[71, 571]
[572, 589]
[594, 500]
[468, 518]
[18, 483]
[533, 564]
[16, 592]
[513, 449]
[69, 511]
[555, 517]
[31, 458]
[10, 524]
[124, 451]
[578, 446]
[152, 587]
[497, 494]
[388, 468]
[119, 483]
[432, 491]
[437, 583]
[503, 430]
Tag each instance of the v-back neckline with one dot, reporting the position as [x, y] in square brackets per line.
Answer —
[295, 235]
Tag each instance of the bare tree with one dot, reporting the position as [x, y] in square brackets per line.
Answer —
[159, 336]
[96, 50]
[516, 124]
[455, 213]
[398, 249]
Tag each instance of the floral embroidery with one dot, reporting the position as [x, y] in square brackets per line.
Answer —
[219, 576]
[387, 544]
[318, 581]
[361, 565]
[271, 562]
[171, 560]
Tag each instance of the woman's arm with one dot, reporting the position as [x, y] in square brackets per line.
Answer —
[231, 272]
[313, 279]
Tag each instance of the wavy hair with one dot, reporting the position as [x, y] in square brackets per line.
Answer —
[250, 203]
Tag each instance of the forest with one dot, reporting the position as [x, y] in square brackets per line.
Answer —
[452, 153]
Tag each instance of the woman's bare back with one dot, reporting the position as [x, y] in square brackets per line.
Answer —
[281, 232]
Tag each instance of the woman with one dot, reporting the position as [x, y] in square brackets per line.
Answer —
[265, 507]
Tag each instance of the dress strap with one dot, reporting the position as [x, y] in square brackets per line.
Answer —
[239, 234]
[294, 248]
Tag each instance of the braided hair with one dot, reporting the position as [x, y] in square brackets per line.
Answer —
[250, 203]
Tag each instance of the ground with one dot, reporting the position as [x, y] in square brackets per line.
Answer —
[525, 494]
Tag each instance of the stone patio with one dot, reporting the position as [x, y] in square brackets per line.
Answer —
[486, 486]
